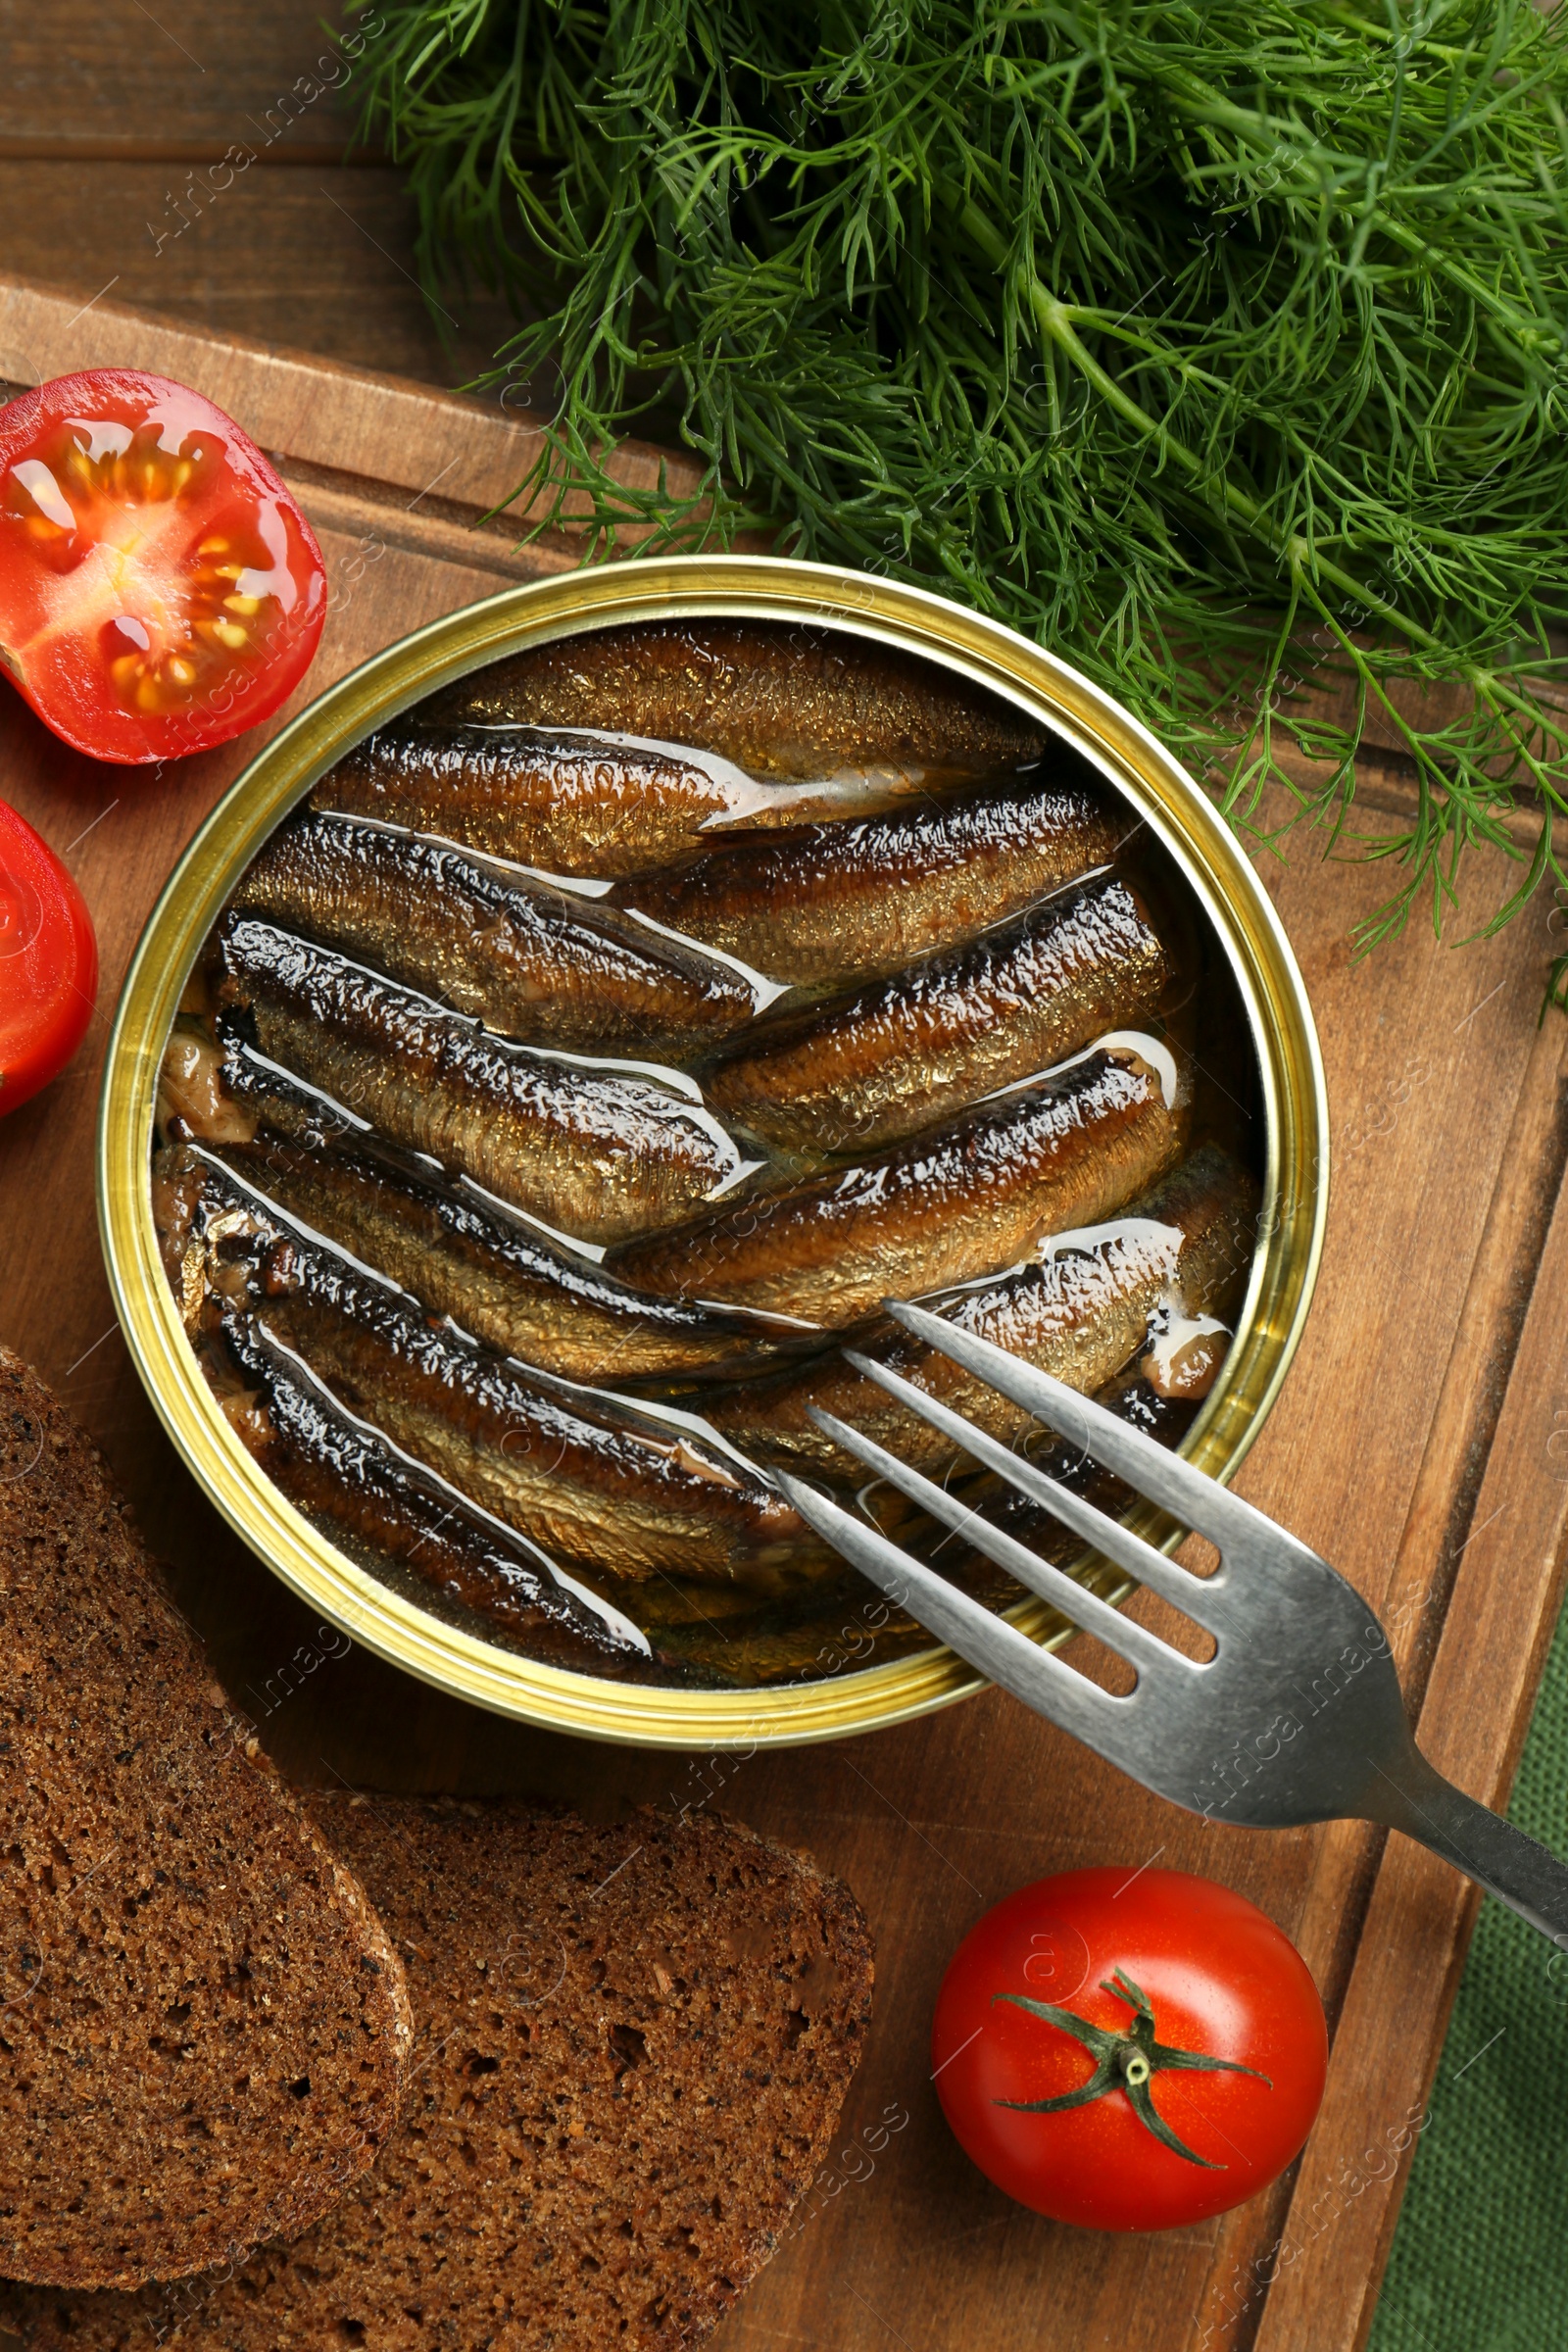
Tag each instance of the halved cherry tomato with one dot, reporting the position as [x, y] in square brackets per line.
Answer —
[1129, 2050]
[48, 962]
[160, 590]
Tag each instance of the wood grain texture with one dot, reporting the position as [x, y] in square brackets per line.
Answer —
[1414, 1408]
[1473, 1372]
[417, 457]
[201, 164]
[86, 77]
[321, 256]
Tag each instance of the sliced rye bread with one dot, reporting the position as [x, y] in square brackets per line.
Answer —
[204, 2032]
[633, 2046]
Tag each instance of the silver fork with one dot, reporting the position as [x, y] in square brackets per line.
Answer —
[1296, 1717]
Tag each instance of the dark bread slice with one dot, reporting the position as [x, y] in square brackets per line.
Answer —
[634, 2045]
[204, 2031]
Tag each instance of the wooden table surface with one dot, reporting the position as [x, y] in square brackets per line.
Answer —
[1421, 1442]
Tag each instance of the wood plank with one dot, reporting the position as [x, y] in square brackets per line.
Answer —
[1430, 1256]
[83, 77]
[379, 434]
[1503, 1604]
[1443, 1521]
[1316, 692]
[320, 256]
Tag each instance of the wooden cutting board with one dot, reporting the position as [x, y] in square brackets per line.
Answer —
[1421, 1442]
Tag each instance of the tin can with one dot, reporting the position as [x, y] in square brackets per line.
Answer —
[1290, 1077]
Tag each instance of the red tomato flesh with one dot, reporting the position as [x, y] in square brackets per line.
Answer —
[48, 962]
[160, 590]
[1220, 1980]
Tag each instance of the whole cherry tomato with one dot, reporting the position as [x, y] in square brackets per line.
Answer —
[1129, 2050]
[160, 590]
[48, 962]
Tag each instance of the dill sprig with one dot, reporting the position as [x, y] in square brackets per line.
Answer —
[1222, 345]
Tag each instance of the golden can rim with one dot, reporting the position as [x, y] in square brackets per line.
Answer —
[673, 588]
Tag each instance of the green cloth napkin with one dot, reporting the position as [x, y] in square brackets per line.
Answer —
[1480, 2261]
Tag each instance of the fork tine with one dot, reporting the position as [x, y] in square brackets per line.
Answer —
[1198, 1501]
[988, 1643]
[1139, 1647]
[1199, 1598]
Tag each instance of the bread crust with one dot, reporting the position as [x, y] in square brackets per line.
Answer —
[634, 2043]
[206, 2029]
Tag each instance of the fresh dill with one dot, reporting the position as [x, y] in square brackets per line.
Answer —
[1224, 347]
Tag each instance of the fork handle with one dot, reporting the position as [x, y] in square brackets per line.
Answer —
[1480, 1842]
